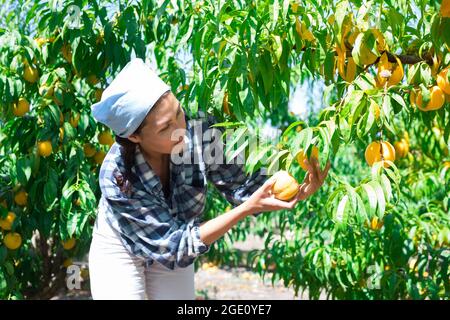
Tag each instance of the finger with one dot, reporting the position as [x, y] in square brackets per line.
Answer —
[287, 204]
[298, 196]
[292, 203]
[309, 189]
[316, 165]
[312, 166]
[309, 166]
[267, 186]
[302, 195]
[325, 172]
[307, 178]
[275, 204]
[303, 187]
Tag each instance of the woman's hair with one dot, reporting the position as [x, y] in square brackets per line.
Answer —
[128, 149]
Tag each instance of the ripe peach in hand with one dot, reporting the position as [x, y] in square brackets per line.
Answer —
[285, 186]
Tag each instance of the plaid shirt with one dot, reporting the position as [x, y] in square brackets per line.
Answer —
[154, 227]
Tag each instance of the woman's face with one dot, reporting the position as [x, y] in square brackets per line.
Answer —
[163, 129]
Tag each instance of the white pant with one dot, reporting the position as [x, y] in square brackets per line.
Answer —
[116, 274]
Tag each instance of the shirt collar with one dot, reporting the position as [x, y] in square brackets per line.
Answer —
[142, 169]
[145, 173]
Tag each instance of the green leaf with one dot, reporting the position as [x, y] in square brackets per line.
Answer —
[419, 74]
[332, 197]
[426, 95]
[69, 131]
[386, 106]
[363, 11]
[288, 161]
[338, 277]
[276, 11]
[72, 222]
[340, 211]
[3, 283]
[188, 34]
[443, 30]
[326, 139]
[344, 131]
[371, 196]
[329, 66]
[77, 53]
[50, 189]
[302, 141]
[274, 165]
[18, 87]
[413, 76]
[397, 102]
[341, 12]
[3, 254]
[308, 134]
[81, 223]
[357, 111]
[352, 101]
[285, 8]
[291, 126]
[9, 268]
[365, 124]
[54, 112]
[227, 124]
[278, 47]
[361, 213]
[352, 197]
[11, 88]
[230, 145]
[380, 197]
[83, 123]
[256, 156]
[395, 20]
[365, 51]
[23, 170]
[239, 150]
[386, 187]
[266, 69]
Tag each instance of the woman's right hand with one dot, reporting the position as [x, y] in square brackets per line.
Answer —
[262, 200]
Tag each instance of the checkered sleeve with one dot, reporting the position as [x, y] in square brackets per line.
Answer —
[146, 225]
[231, 179]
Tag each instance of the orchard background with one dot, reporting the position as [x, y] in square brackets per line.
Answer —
[378, 229]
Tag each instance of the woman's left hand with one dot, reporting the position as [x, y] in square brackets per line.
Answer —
[314, 178]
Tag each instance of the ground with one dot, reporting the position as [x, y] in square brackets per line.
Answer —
[239, 284]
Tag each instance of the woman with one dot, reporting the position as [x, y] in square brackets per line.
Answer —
[153, 180]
